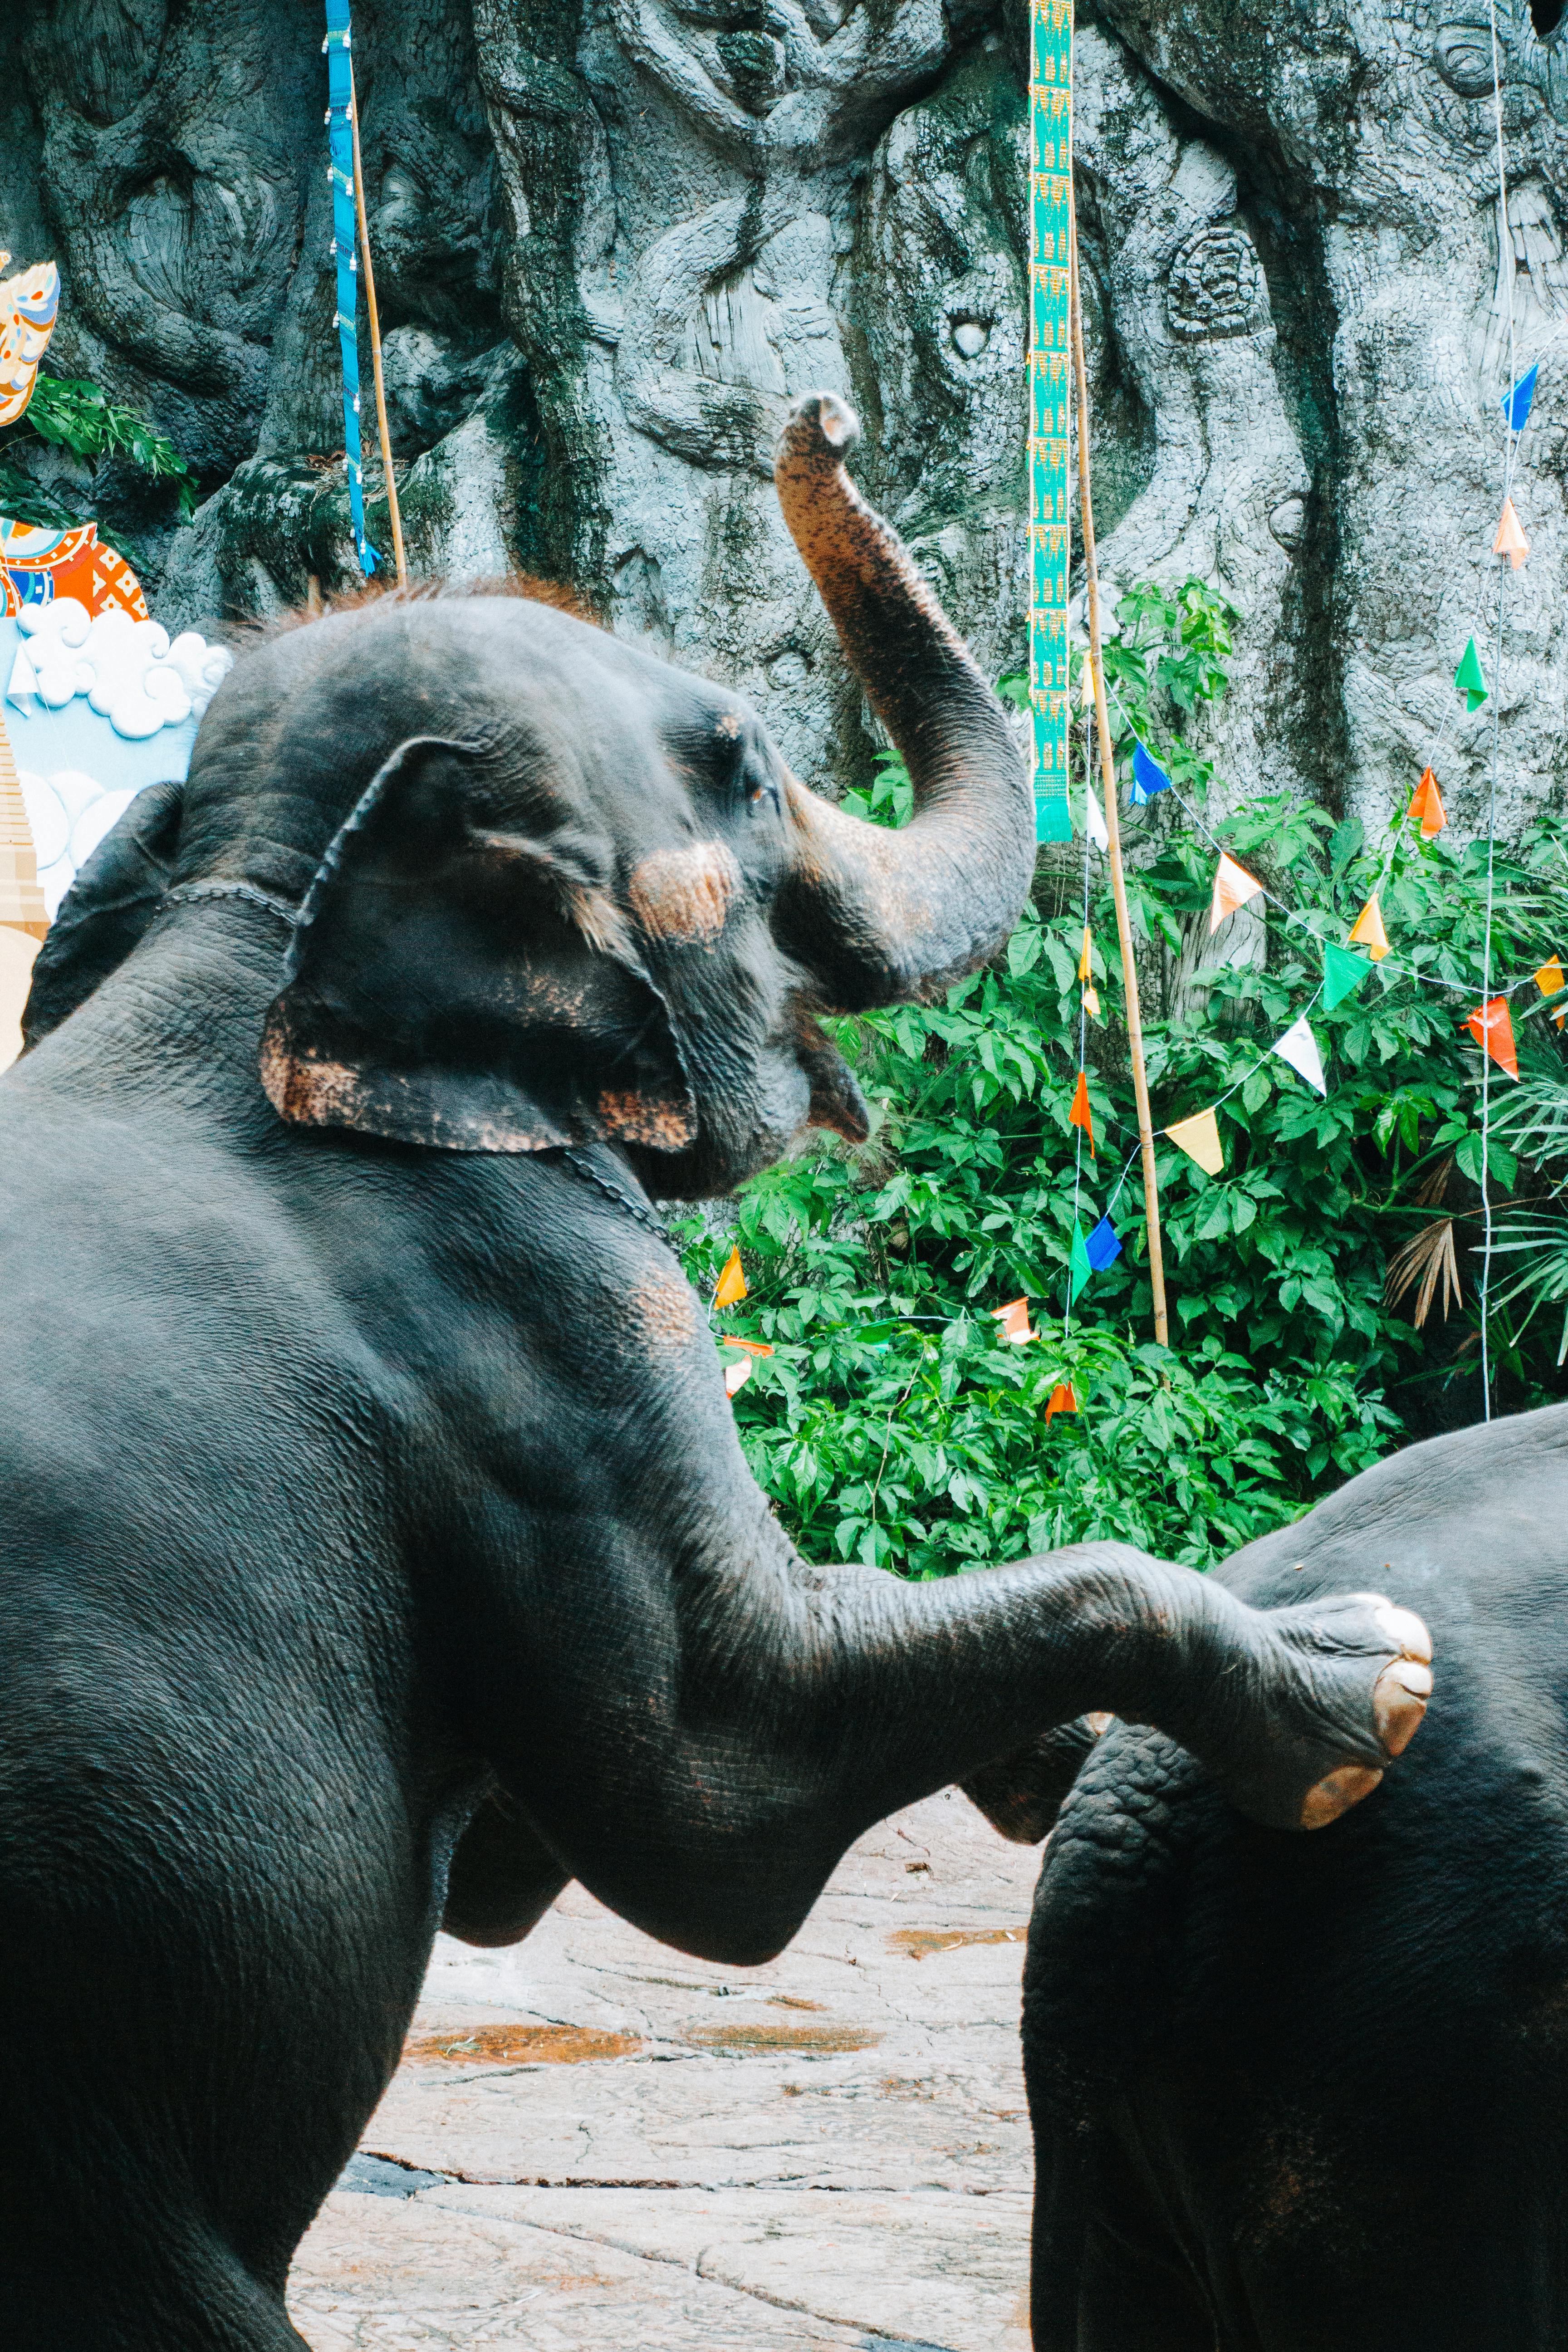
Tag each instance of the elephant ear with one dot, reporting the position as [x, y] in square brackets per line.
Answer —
[106, 910]
[472, 990]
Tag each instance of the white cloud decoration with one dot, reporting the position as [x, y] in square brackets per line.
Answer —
[129, 673]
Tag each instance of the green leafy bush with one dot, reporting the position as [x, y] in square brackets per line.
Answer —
[71, 413]
[892, 1424]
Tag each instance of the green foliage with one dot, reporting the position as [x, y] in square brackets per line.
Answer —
[891, 1424]
[76, 414]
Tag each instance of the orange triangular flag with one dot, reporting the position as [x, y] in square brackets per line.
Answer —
[1081, 1115]
[1548, 980]
[1232, 886]
[752, 1347]
[1199, 1139]
[1427, 806]
[1490, 1028]
[1086, 960]
[732, 1282]
[1369, 931]
[1063, 1399]
[1511, 539]
[737, 1374]
[1015, 1320]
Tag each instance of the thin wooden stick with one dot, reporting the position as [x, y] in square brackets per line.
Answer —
[1113, 824]
[364, 261]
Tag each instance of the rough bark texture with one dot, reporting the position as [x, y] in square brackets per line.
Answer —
[612, 237]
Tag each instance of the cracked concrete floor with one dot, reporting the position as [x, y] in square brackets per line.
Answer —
[595, 2141]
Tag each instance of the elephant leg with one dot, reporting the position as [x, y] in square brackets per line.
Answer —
[1106, 2273]
[214, 1917]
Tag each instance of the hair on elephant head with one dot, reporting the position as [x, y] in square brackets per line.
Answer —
[553, 889]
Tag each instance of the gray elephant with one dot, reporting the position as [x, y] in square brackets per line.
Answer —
[1296, 2096]
[378, 1544]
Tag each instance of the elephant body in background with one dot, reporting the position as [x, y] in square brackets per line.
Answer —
[1298, 2095]
[377, 1536]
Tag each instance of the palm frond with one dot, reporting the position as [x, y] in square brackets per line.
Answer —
[1427, 1258]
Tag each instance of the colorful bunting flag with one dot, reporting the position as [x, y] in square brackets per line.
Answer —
[732, 1282]
[1516, 404]
[1148, 776]
[1469, 679]
[1079, 1268]
[1299, 1048]
[1091, 1001]
[1086, 960]
[1049, 77]
[1081, 1115]
[1015, 1320]
[1426, 808]
[1232, 886]
[1369, 932]
[1511, 539]
[1548, 980]
[737, 1374]
[1094, 819]
[1343, 974]
[1064, 1399]
[752, 1347]
[1198, 1137]
[1102, 1248]
[1490, 1026]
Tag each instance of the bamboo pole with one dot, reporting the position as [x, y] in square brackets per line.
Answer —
[366, 266]
[1112, 824]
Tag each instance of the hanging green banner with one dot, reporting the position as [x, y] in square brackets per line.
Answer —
[1050, 243]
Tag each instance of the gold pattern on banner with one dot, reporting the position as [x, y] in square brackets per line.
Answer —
[1050, 244]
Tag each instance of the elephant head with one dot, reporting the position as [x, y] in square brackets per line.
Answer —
[551, 890]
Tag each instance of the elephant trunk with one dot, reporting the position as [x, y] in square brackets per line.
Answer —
[881, 916]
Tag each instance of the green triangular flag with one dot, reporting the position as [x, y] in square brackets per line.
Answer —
[1078, 1266]
[1469, 679]
[1343, 974]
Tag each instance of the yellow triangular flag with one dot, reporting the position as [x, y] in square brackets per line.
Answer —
[1198, 1137]
[1232, 886]
[1086, 960]
[1511, 539]
[732, 1282]
[1548, 980]
[1369, 932]
[1091, 1001]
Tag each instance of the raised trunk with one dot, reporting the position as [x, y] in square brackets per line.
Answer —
[884, 916]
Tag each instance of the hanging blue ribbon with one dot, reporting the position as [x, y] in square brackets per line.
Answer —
[345, 246]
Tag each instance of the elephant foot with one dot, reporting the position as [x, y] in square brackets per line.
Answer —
[1342, 1686]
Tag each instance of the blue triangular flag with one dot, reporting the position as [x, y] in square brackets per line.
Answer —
[1516, 404]
[1102, 1248]
[1148, 776]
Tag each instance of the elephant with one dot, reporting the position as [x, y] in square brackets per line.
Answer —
[1291, 2096]
[380, 1545]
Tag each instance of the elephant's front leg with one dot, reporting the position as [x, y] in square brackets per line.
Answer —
[708, 1729]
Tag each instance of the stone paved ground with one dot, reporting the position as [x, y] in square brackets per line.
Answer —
[596, 2142]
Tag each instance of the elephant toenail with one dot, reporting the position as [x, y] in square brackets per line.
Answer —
[1337, 1794]
[1399, 1702]
[1404, 1629]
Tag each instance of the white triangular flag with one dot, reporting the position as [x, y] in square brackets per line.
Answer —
[23, 680]
[1094, 818]
[1299, 1048]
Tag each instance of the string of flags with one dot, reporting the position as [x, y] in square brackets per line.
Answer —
[338, 45]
